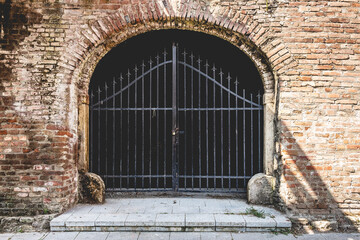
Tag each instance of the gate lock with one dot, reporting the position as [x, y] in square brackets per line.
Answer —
[176, 131]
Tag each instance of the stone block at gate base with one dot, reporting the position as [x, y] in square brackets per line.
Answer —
[92, 188]
[260, 189]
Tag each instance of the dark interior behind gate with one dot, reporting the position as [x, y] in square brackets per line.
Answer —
[210, 89]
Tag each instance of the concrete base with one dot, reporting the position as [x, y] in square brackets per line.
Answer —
[260, 189]
[169, 215]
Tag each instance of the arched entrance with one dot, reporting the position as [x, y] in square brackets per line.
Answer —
[178, 120]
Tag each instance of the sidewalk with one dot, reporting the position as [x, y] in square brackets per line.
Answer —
[172, 236]
[170, 214]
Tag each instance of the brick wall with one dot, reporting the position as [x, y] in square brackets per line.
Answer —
[49, 50]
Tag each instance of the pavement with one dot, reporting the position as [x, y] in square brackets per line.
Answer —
[173, 236]
[171, 214]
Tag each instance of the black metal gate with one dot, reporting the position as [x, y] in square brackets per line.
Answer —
[175, 124]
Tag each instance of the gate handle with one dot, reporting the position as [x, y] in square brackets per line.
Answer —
[176, 131]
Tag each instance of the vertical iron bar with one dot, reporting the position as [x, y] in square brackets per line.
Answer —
[237, 136]
[121, 133]
[185, 129]
[222, 131]
[207, 125]
[175, 128]
[214, 125]
[199, 127]
[142, 125]
[98, 148]
[150, 88]
[91, 131]
[157, 122]
[135, 125]
[259, 129]
[192, 121]
[106, 135]
[252, 137]
[165, 123]
[128, 132]
[244, 149]
[113, 133]
[229, 157]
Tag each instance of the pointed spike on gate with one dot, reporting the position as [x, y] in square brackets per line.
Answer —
[92, 94]
[192, 57]
[213, 68]
[221, 72]
[121, 77]
[206, 64]
[157, 58]
[150, 62]
[184, 53]
[99, 90]
[165, 53]
[136, 69]
[199, 60]
[128, 73]
[259, 96]
[106, 87]
[236, 81]
[228, 77]
[143, 64]
[114, 81]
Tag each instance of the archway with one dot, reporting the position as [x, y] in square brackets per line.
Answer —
[137, 118]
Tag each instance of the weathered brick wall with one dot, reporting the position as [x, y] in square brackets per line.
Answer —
[49, 50]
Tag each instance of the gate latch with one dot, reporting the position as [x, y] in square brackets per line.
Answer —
[176, 131]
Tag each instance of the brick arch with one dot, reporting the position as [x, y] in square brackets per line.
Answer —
[269, 56]
[99, 36]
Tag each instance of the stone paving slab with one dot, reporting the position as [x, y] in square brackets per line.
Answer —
[200, 220]
[174, 236]
[111, 220]
[140, 220]
[87, 236]
[229, 220]
[170, 220]
[82, 220]
[169, 214]
[61, 236]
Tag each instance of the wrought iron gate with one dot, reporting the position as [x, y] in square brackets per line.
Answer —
[175, 124]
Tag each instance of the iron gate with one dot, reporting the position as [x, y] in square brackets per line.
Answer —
[175, 124]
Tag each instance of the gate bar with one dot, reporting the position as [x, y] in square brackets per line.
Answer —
[91, 157]
[99, 91]
[199, 127]
[157, 121]
[244, 150]
[214, 125]
[113, 133]
[207, 125]
[222, 130]
[143, 121]
[185, 133]
[121, 122]
[150, 122]
[135, 126]
[175, 127]
[165, 105]
[128, 133]
[237, 137]
[229, 172]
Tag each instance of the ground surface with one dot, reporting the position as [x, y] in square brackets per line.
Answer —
[171, 214]
[172, 236]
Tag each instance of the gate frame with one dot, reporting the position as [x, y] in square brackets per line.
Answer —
[269, 78]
